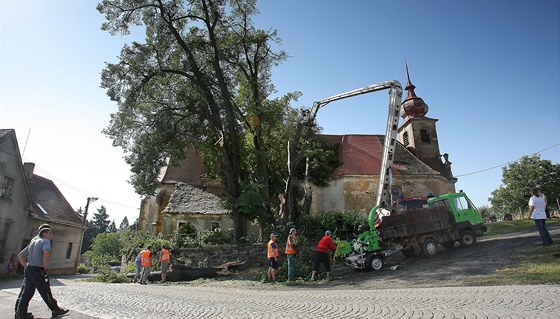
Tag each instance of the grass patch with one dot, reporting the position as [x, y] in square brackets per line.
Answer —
[536, 266]
[513, 226]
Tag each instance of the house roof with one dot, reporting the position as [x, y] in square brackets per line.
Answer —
[362, 155]
[4, 132]
[189, 199]
[188, 170]
[49, 203]
[46, 200]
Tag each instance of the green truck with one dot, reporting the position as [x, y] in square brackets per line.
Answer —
[443, 219]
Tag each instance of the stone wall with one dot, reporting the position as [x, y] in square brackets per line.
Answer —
[253, 255]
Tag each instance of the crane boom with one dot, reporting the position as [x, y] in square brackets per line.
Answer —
[395, 97]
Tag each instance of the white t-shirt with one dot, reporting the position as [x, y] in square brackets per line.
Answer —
[538, 203]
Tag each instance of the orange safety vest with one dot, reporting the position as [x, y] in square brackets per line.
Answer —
[272, 252]
[290, 250]
[164, 255]
[146, 258]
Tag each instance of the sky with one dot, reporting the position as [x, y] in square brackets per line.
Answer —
[488, 70]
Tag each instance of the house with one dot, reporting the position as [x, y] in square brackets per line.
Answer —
[28, 200]
[184, 194]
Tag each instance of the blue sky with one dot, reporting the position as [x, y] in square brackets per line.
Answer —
[489, 71]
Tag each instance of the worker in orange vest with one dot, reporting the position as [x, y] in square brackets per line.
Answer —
[146, 262]
[272, 255]
[164, 259]
[291, 253]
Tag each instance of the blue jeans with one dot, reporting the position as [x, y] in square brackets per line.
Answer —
[291, 266]
[545, 235]
[138, 269]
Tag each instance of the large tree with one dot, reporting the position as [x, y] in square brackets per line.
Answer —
[519, 177]
[201, 79]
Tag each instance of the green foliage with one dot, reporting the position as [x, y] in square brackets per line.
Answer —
[105, 274]
[251, 204]
[185, 236]
[342, 224]
[106, 248]
[101, 220]
[83, 269]
[124, 224]
[323, 160]
[112, 227]
[519, 178]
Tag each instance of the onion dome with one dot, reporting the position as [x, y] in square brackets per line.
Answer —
[412, 106]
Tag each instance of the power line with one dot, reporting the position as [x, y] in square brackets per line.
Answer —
[502, 165]
[81, 191]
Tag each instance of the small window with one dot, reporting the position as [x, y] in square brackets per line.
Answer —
[69, 251]
[4, 228]
[461, 203]
[440, 203]
[425, 136]
[215, 226]
[6, 184]
[405, 139]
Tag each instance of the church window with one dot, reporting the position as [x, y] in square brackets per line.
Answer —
[424, 136]
[405, 139]
[6, 184]
[69, 251]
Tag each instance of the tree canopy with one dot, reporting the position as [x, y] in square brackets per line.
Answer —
[518, 178]
[201, 79]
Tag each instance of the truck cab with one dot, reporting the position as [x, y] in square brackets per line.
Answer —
[465, 215]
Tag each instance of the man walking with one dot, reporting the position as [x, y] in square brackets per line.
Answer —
[537, 213]
[35, 259]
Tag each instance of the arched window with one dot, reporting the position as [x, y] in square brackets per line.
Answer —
[425, 136]
[405, 139]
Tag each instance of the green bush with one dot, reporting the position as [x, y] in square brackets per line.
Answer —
[106, 274]
[82, 269]
[342, 223]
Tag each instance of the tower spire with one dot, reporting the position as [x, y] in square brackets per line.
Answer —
[412, 106]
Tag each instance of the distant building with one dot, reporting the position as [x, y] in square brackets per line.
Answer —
[28, 200]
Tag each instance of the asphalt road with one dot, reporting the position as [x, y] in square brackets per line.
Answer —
[256, 300]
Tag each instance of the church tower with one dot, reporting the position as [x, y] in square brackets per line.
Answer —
[418, 132]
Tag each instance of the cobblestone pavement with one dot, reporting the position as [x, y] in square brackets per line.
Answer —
[98, 300]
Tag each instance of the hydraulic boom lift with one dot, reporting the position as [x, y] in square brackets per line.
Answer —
[383, 196]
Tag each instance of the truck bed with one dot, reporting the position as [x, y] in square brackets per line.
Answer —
[415, 222]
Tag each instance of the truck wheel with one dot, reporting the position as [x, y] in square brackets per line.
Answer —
[374, 262]
[467, 238]
[448, 244]
[429, 247]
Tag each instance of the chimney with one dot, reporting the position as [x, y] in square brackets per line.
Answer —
[29, 168]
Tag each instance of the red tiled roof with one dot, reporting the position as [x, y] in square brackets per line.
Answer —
[188, 170]
[362, 155]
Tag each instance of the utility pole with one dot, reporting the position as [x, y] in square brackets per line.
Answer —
[89, 200]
